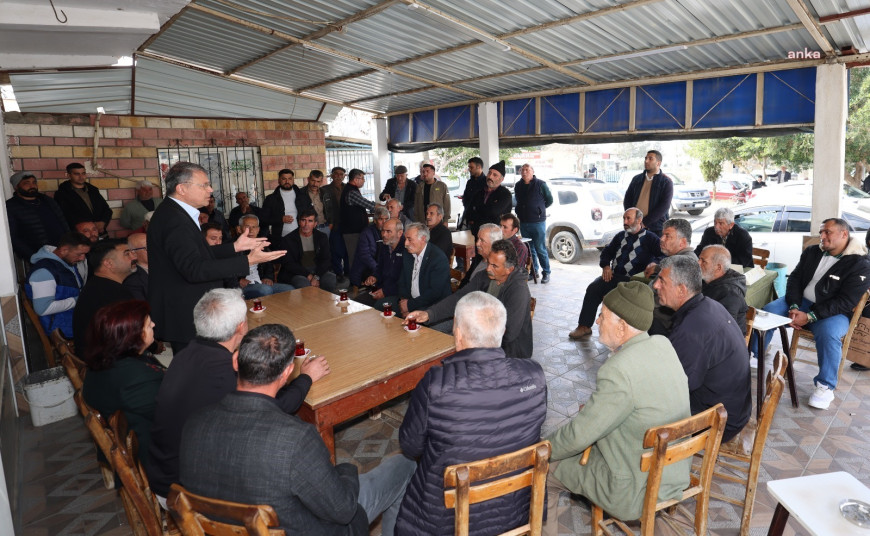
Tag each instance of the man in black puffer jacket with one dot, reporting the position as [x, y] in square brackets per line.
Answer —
[723, 284]
[478, 404]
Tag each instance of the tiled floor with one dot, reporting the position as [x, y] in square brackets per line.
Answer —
[63, 493]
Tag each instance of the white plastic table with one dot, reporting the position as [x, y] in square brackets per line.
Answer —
[814, 501]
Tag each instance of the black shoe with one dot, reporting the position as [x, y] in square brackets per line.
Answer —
[531, 276]
[858, 366]
[545, 279]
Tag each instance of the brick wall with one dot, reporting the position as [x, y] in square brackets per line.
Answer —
[46, 143]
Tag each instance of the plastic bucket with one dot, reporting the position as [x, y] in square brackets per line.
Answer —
[779, 283]
[50, 395]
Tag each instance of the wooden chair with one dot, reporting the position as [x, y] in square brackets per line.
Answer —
[750, 321]
[810, 343]
[194, 515]
[43, 338]
[530, 265]
[461, 494]
[672, 443]
[75, 369]
[747, 447]
[143, 511]
[533, 302]
[101, 435]
[760, 256]
[61, 344]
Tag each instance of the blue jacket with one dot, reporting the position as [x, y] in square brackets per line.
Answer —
[51, 281]
[649, 251]
[434, 278]
[389, 269]
[478, 404]
[365, 260]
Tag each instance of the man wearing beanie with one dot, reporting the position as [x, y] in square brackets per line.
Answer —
[491, 202]
[35, 219]
[709, 343]
[641, 385]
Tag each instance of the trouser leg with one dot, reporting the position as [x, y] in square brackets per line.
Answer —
[595, 293]
[381, 490]
[828, 334]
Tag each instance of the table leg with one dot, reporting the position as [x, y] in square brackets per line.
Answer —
[790, 369]
[777, 524]
[759, 393]
[329, 440]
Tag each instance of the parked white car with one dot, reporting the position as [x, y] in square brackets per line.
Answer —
[801, 192]
[780, 228]
[584, 215]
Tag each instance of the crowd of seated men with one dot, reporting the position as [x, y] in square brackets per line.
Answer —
[221, 419]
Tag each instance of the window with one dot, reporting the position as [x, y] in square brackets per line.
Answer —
[798, 221]
[756, 220]
[230, 170]
[856, 222]
[567, 197]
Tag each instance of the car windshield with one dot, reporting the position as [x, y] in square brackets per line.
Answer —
[851, 191]
[606, 196]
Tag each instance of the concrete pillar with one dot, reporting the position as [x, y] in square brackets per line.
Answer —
[380, 154]
[8, 279]
[832, 96]
[487, 114]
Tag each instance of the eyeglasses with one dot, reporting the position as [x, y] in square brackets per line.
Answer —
[137, 249]
[203, 185]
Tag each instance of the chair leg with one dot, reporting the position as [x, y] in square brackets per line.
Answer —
[108, 476]
[792, 389]
[597, 518]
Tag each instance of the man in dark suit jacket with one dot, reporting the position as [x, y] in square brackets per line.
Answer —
[402, 190]
[781, 176]
[277, 459]
[71, 194]
[307, 263]
[425, 274]
[651, 192]
[182, 265]
[275, 215]
[137, 282]
[490, 202]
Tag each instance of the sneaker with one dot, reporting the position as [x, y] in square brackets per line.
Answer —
[821, 397]
[545, 279]
[580, 332]
[753, 362]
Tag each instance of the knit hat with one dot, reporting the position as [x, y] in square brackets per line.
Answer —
[498, 167]
[20, 176]
[633, 302]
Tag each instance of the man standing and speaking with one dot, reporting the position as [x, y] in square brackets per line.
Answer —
[183, 266]
[651, 192]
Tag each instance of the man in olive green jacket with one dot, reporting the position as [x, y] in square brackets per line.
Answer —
[641, 385]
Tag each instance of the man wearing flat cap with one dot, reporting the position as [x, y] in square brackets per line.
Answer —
[133, 215]
[34, 218]
[641, 385]
[490, 202]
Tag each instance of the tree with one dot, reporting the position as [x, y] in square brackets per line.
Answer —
[452, 161]
[858, 128]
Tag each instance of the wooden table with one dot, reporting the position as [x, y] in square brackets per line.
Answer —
[372, 360]
[814, 501]
[301, 307]
[463, 247]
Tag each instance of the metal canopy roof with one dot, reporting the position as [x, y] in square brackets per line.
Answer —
[397, 56]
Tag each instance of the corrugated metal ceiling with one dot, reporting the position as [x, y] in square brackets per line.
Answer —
[378, 54]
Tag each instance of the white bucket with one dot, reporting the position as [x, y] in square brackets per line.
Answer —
[50, 395]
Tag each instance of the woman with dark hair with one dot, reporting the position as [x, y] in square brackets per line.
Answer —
[122, 374]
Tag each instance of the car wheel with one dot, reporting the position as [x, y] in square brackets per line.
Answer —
[696, 212]
[566, 247]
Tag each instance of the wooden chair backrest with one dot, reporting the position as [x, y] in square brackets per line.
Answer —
[460, 493]
[532, 304]
[195, 515]
[96, 424]
[750, 321]
[856, 316]
[76, 369]
[760, 256]
[43, 338]
[141, 506]
[774, 385]
[678, 441]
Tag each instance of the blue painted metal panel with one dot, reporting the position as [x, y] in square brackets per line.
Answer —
[454, 123]
[661, 106]
[424, 126]
[400, 131]
[518, 117]
[607, 110]
[560, 114]
[724, 102]
[789, 96]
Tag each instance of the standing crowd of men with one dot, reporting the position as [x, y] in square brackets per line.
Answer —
[223, 421]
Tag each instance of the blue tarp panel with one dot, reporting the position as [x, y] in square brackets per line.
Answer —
[661, 106]
[724, 102]
[560, 114]
[518, 117]
[607, 110]
[790, 96]
[454, 123]
[424, 126]
[721, 106]
[400, 131]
